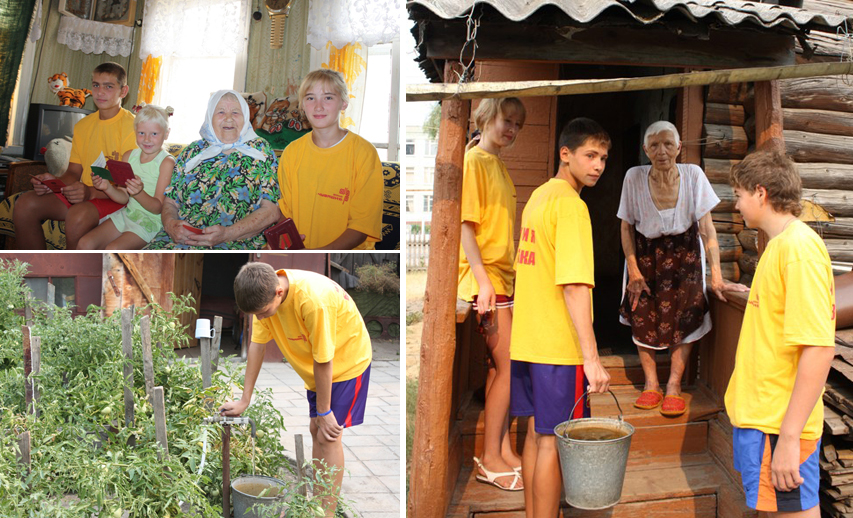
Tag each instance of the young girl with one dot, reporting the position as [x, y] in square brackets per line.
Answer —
[331, 179]
[132, 227]
[486, 274]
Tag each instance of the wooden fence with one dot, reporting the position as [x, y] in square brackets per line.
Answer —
[417, 251]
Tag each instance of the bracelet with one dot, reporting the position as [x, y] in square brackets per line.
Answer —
[325, 413]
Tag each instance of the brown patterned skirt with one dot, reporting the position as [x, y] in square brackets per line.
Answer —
[672, 268]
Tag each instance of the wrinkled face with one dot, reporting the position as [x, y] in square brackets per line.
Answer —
[749, 203]
[503, 130]
[150, 137]
[586, 163]
[662, 150]
[322, 105]
[106, 91]
[227, 119]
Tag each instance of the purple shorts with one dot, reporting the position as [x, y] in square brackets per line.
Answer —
[348, 400]
[548, 393]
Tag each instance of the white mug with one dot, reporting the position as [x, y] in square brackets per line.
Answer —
[203, 329]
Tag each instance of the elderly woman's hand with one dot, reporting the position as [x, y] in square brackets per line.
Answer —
[210, 236]
[719, 285]
[636, 286]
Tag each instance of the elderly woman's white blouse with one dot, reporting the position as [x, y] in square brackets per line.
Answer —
[696, 198]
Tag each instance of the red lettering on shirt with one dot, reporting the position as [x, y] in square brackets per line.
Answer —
[302, 338]
[527, 257]
[532, 236]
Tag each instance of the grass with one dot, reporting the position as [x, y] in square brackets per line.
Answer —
[411, 402]
[414, 317]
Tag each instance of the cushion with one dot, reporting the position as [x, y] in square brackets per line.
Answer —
[390, 207]
[54, 231]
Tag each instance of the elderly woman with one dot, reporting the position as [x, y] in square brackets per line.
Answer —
[224, 189]
[666, 218]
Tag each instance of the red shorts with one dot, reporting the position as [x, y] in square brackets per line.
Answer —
[105, 206]
[501, 301]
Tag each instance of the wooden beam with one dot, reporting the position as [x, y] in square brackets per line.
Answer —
[127, 369]
[430, 496]
[768, 129]
[437, 92]
[690, 113]
[137, 276]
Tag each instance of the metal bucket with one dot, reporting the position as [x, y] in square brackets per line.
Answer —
[245, 488]
[593, 470]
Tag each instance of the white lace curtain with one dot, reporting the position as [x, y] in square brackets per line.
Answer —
[95, 37]
[353, 21]
[185, 28]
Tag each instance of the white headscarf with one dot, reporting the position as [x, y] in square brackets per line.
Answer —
[217, 146]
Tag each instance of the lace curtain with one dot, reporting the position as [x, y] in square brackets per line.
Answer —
[95, 37]
[188, 28]
[353, 21]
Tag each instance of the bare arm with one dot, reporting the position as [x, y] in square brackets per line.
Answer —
[346, 241]
[812, 371]
[267, 214]
[328, 425]
[153, 204]
[636, 283]
[712, 250]
[578, 303]
[486, 296]
[253, 367]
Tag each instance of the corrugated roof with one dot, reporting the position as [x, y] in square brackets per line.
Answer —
[731, 13]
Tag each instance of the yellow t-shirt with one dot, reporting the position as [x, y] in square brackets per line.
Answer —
[318, 320]
[329, 190]
[791, 305]
[92, 136]
[489, 200]
[555, 249]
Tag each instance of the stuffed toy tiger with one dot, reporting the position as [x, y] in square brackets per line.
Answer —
[67, 96]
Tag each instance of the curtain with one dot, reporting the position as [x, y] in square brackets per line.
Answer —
[351, 61]
[188, 28]
[349, 21]
[95, 37]
[15, 16]
[148, 79]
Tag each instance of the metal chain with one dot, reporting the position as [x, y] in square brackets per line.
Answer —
[470, 40]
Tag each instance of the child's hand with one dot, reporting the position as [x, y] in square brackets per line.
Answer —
[134, 186]
[99, 183]
[486, 298]
[785, 465]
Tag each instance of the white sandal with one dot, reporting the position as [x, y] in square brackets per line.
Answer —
[489, 477]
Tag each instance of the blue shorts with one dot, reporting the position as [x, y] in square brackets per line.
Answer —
[753, 450]
[548, 393]
[348, 400]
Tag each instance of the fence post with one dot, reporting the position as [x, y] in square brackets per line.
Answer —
[127, 349]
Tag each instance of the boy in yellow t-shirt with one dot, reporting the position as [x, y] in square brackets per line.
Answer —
[786, 345]
[108, 131]
[331, 179]
[320, 332]
[553, 348]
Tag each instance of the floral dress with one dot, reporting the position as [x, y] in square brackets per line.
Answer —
[221, 191]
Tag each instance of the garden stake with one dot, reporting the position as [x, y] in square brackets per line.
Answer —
[226, 454]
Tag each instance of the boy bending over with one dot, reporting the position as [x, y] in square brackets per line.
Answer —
[786, 345]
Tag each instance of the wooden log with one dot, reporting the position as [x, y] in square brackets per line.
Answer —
[836, 202]
[819, 93]
[483, 90]
[728, 217]
[28, 366]
[835, 426]
[300, 462]
[205, 359]
[840, 228]
[749, 129]
[159, 404]
[724, 142]
[749, 239]
[839, 249]
[23, 453]
[216, 341]
[147, 355]
[35, 348]
[818, 121]
[730, 271]
[727, 199]
[727, 227]
[717, 169]
[127, 349]
[804, 146]
[724, 114]
[728, 93]
[747, 262]
[826, 175]
[730, 248]
[768, 117]
[431, 479]
[689, 114]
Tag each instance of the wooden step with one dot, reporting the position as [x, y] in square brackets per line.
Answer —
[654, 483]
[704, 506]
[701, 406]
[625, 369]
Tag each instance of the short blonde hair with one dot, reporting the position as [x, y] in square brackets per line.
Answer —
[489, 109]
[332, 78]
[775, 172]
[151, 113]
[254, 286]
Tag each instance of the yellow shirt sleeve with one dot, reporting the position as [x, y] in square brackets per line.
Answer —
[809, 304]
[285, 203]
[260, 333]
[321, 325]
[472, 190]
[366, 209]
[573, 250]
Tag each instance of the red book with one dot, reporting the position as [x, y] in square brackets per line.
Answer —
[120, 171]
[194, 230]
[284, 236]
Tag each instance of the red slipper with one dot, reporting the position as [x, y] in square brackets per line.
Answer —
[649, 399]
[673, 406]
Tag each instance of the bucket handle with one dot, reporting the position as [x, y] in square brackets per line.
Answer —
[587, 392]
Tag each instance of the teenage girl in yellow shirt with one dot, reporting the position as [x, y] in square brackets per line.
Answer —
[486, 274]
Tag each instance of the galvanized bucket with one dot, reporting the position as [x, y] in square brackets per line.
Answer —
[243, 500]
[593, 470]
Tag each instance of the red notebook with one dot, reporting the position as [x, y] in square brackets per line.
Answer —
[284, 236]
[56, 185]
[120, 171]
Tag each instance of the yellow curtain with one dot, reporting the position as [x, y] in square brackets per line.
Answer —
[148, 79]
[350, 60]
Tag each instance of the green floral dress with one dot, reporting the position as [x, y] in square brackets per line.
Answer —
[221, 191]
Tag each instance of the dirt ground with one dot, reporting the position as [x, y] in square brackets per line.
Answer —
[415, 287]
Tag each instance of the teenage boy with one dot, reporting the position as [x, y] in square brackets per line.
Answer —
[786, 345]
[320, 332]
[553, 348]
[109, 131]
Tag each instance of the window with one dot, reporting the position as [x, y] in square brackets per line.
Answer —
[380, 100]
[432, 147]
[428, 203]
[63, 289]
[410, 147]
[429, 172]
[410, 203]
[410, 174]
